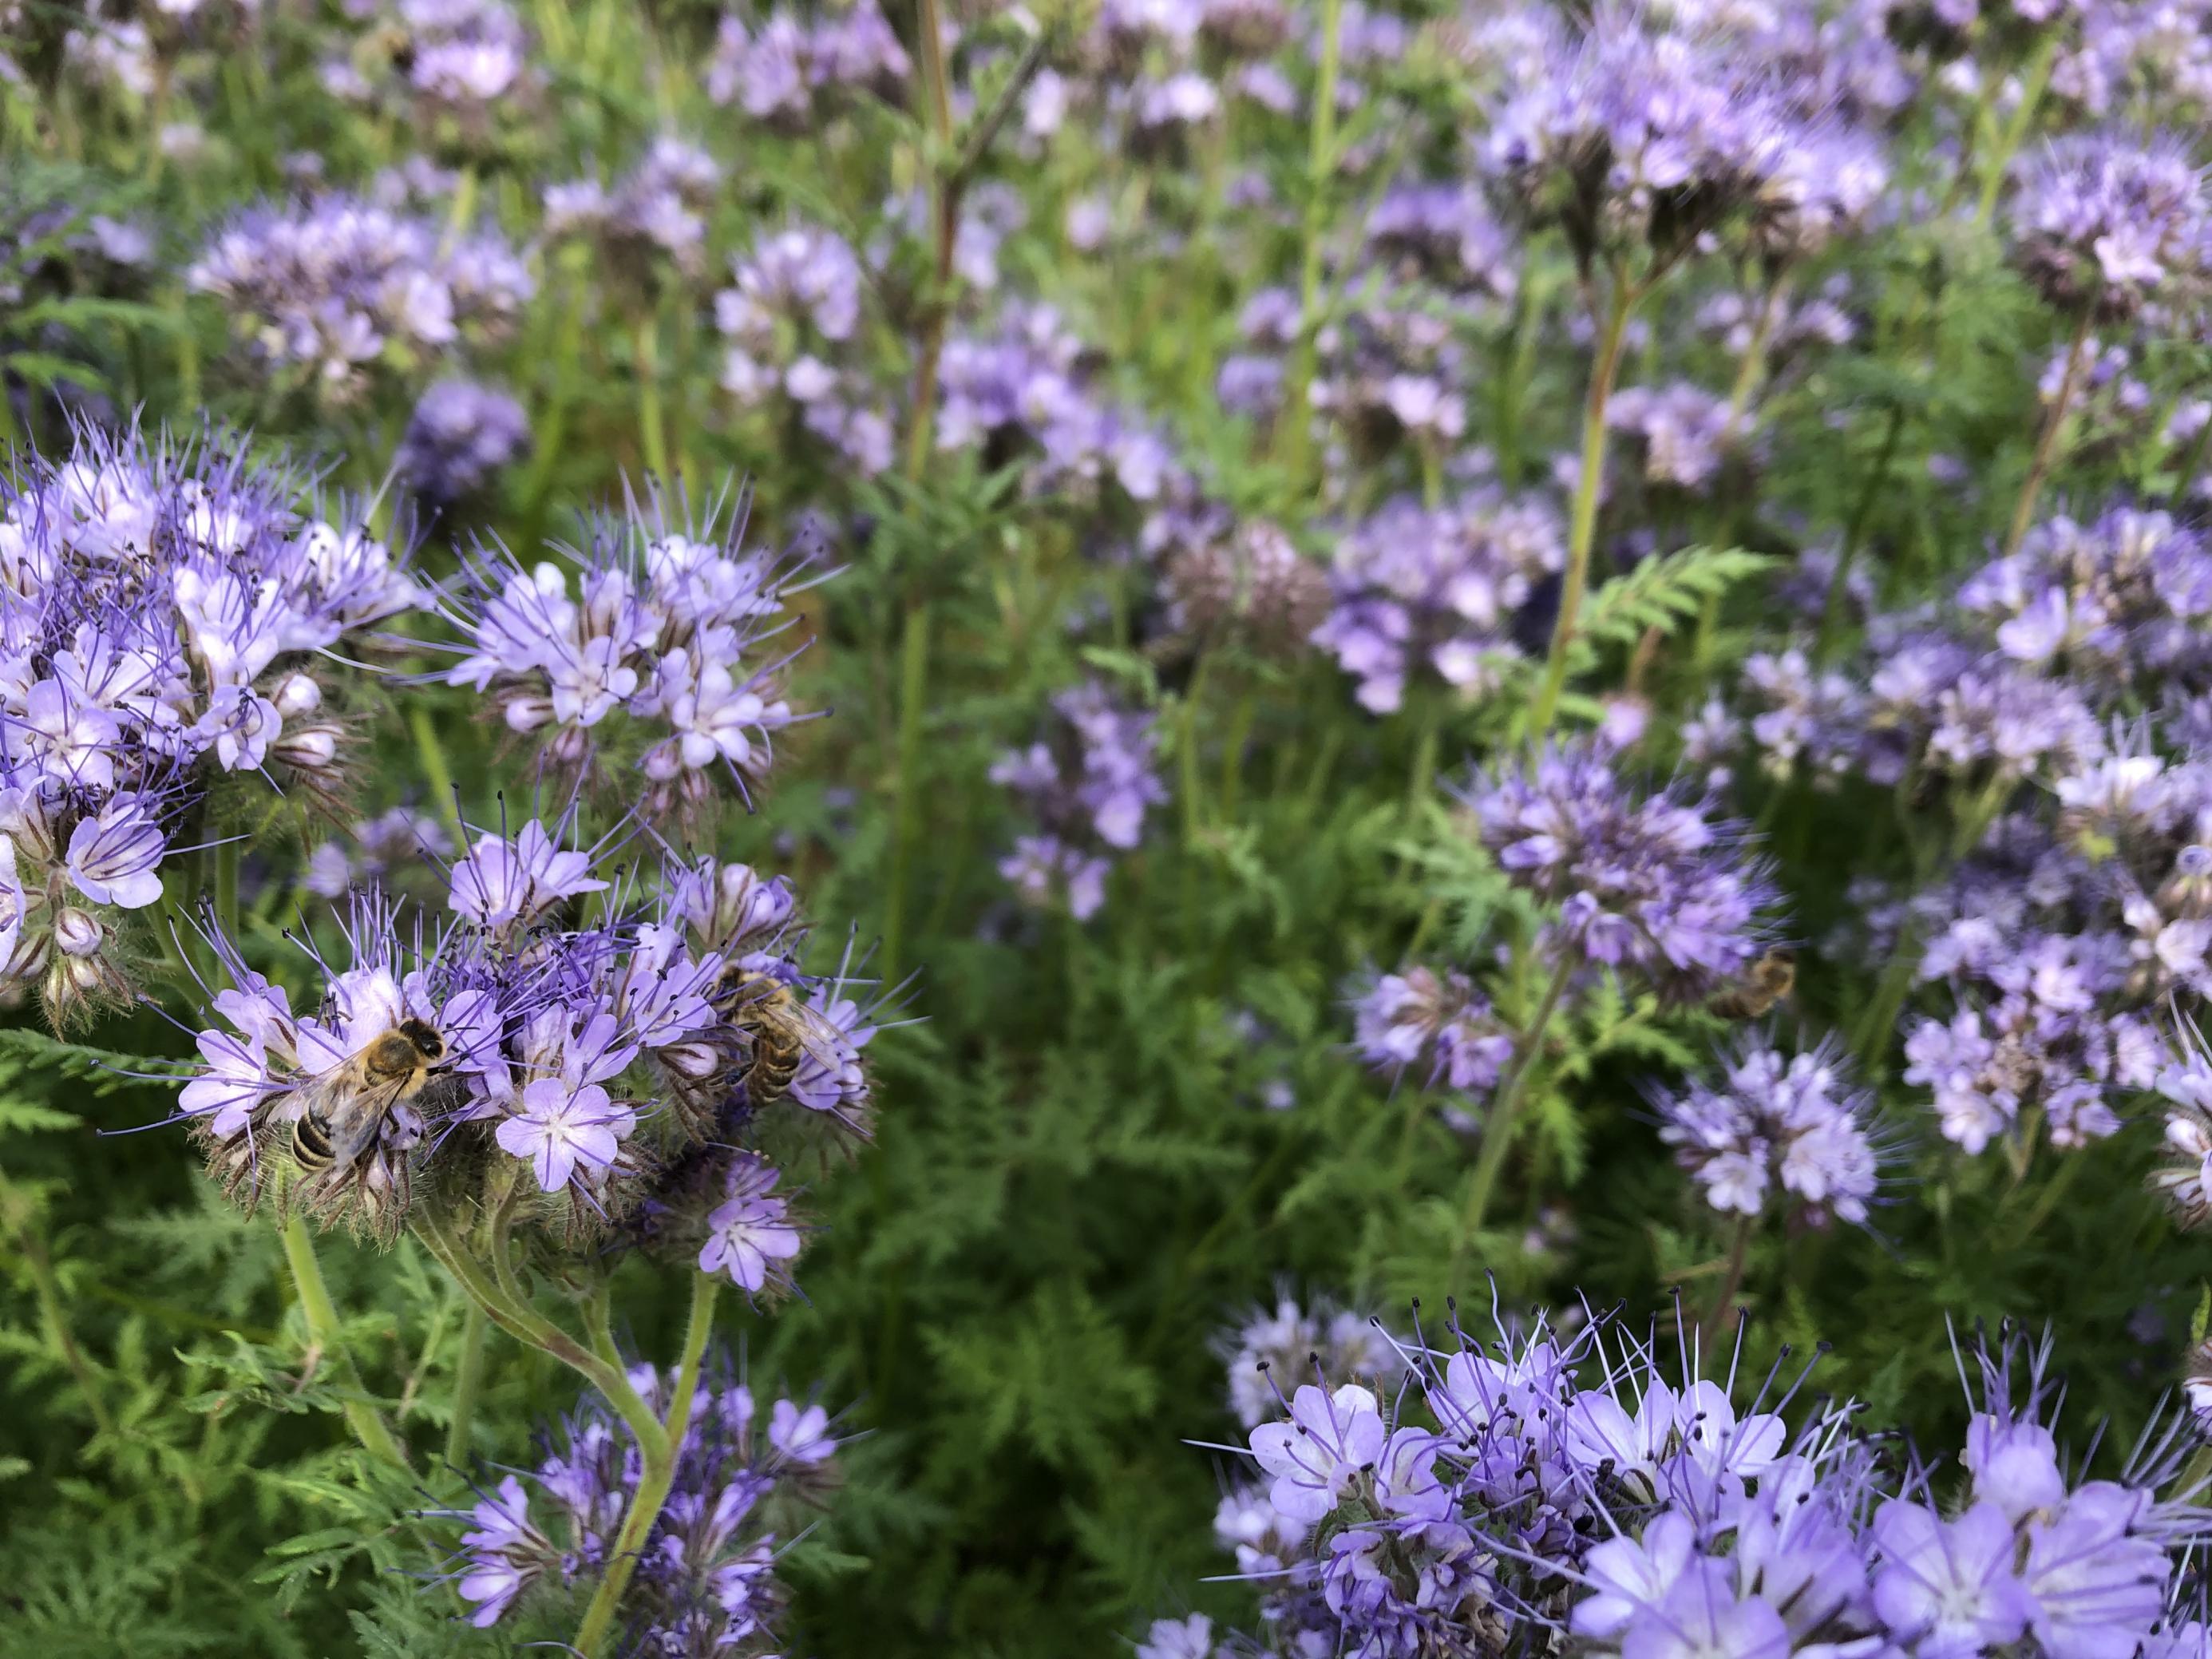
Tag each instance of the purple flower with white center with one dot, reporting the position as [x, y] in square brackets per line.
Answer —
[559, 1127]
[1656, 883]
[1789, 1126]
[750, 1235]
[460, 434]
[2104, 223]
[115, 859]
[650, 228]
[504, 885]
[1329, 1439]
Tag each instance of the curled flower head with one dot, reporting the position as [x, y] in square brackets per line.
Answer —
[2105, 222]
[659, 647]
[1792, 1129]
[1657, 885]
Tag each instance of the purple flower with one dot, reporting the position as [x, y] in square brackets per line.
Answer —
[1948, 1586]
[505, 885]
[560, 1126]
[1794, 1122]
[2103, 223]
[750, 1235]
[1657, 883]
[458, 437]
[1090, 789]
[323, 290]
[1436, 590]
[115, 859]
[1329, 1440]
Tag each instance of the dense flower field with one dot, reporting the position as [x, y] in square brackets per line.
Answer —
[1204, 827]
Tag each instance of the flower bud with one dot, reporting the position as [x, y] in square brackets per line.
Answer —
[78, 932]
[298, 694]
[527, 711]
[309, 748]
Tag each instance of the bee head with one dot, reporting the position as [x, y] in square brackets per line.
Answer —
[423, 1038]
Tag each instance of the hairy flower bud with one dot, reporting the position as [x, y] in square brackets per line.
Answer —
[78, 932]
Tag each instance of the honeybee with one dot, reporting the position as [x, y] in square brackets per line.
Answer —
[783, 1030]
[1764, 983]
[344, 1110]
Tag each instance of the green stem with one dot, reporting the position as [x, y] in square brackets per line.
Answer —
[1498, 1134]
[1752, 369]
[946, 185]
[1739, 1252]
[2046, 442]
[322, 1316]
[2015, 133]
[654, 1482]
[431, 754]
[468, 1383]
[1832, 611]
[914, 686]
[1582, 527]
[645, 358]
[523, 1323]
[1296, 432]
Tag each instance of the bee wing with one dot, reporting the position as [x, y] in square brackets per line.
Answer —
[822, 1038]
[355, 1117]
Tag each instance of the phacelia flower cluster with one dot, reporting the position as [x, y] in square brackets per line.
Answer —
[660, 642]
[585, 1079]
[453, 65]
[1438, 1026]
[1537, 1483]
[1637, 141]
[705, 1581]
[793, 320]
[2103, 224]
[1089, 788]
[649, 229]
[1777, 1131]
[1419, 588]
[1022, 392]
[460, 437]
[161, 607]
[1289, 1340]
[330, 294]
[1655, 885]
[791, 73]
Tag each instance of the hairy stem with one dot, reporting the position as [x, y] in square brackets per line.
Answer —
[322, 1316]
[945, 185]
[1295, 435]
[1582, 526]
[2046, 442]
[658, 1476]
[1739, 1252]
[646, 360]
[1498, 1134]
[468, 1383]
